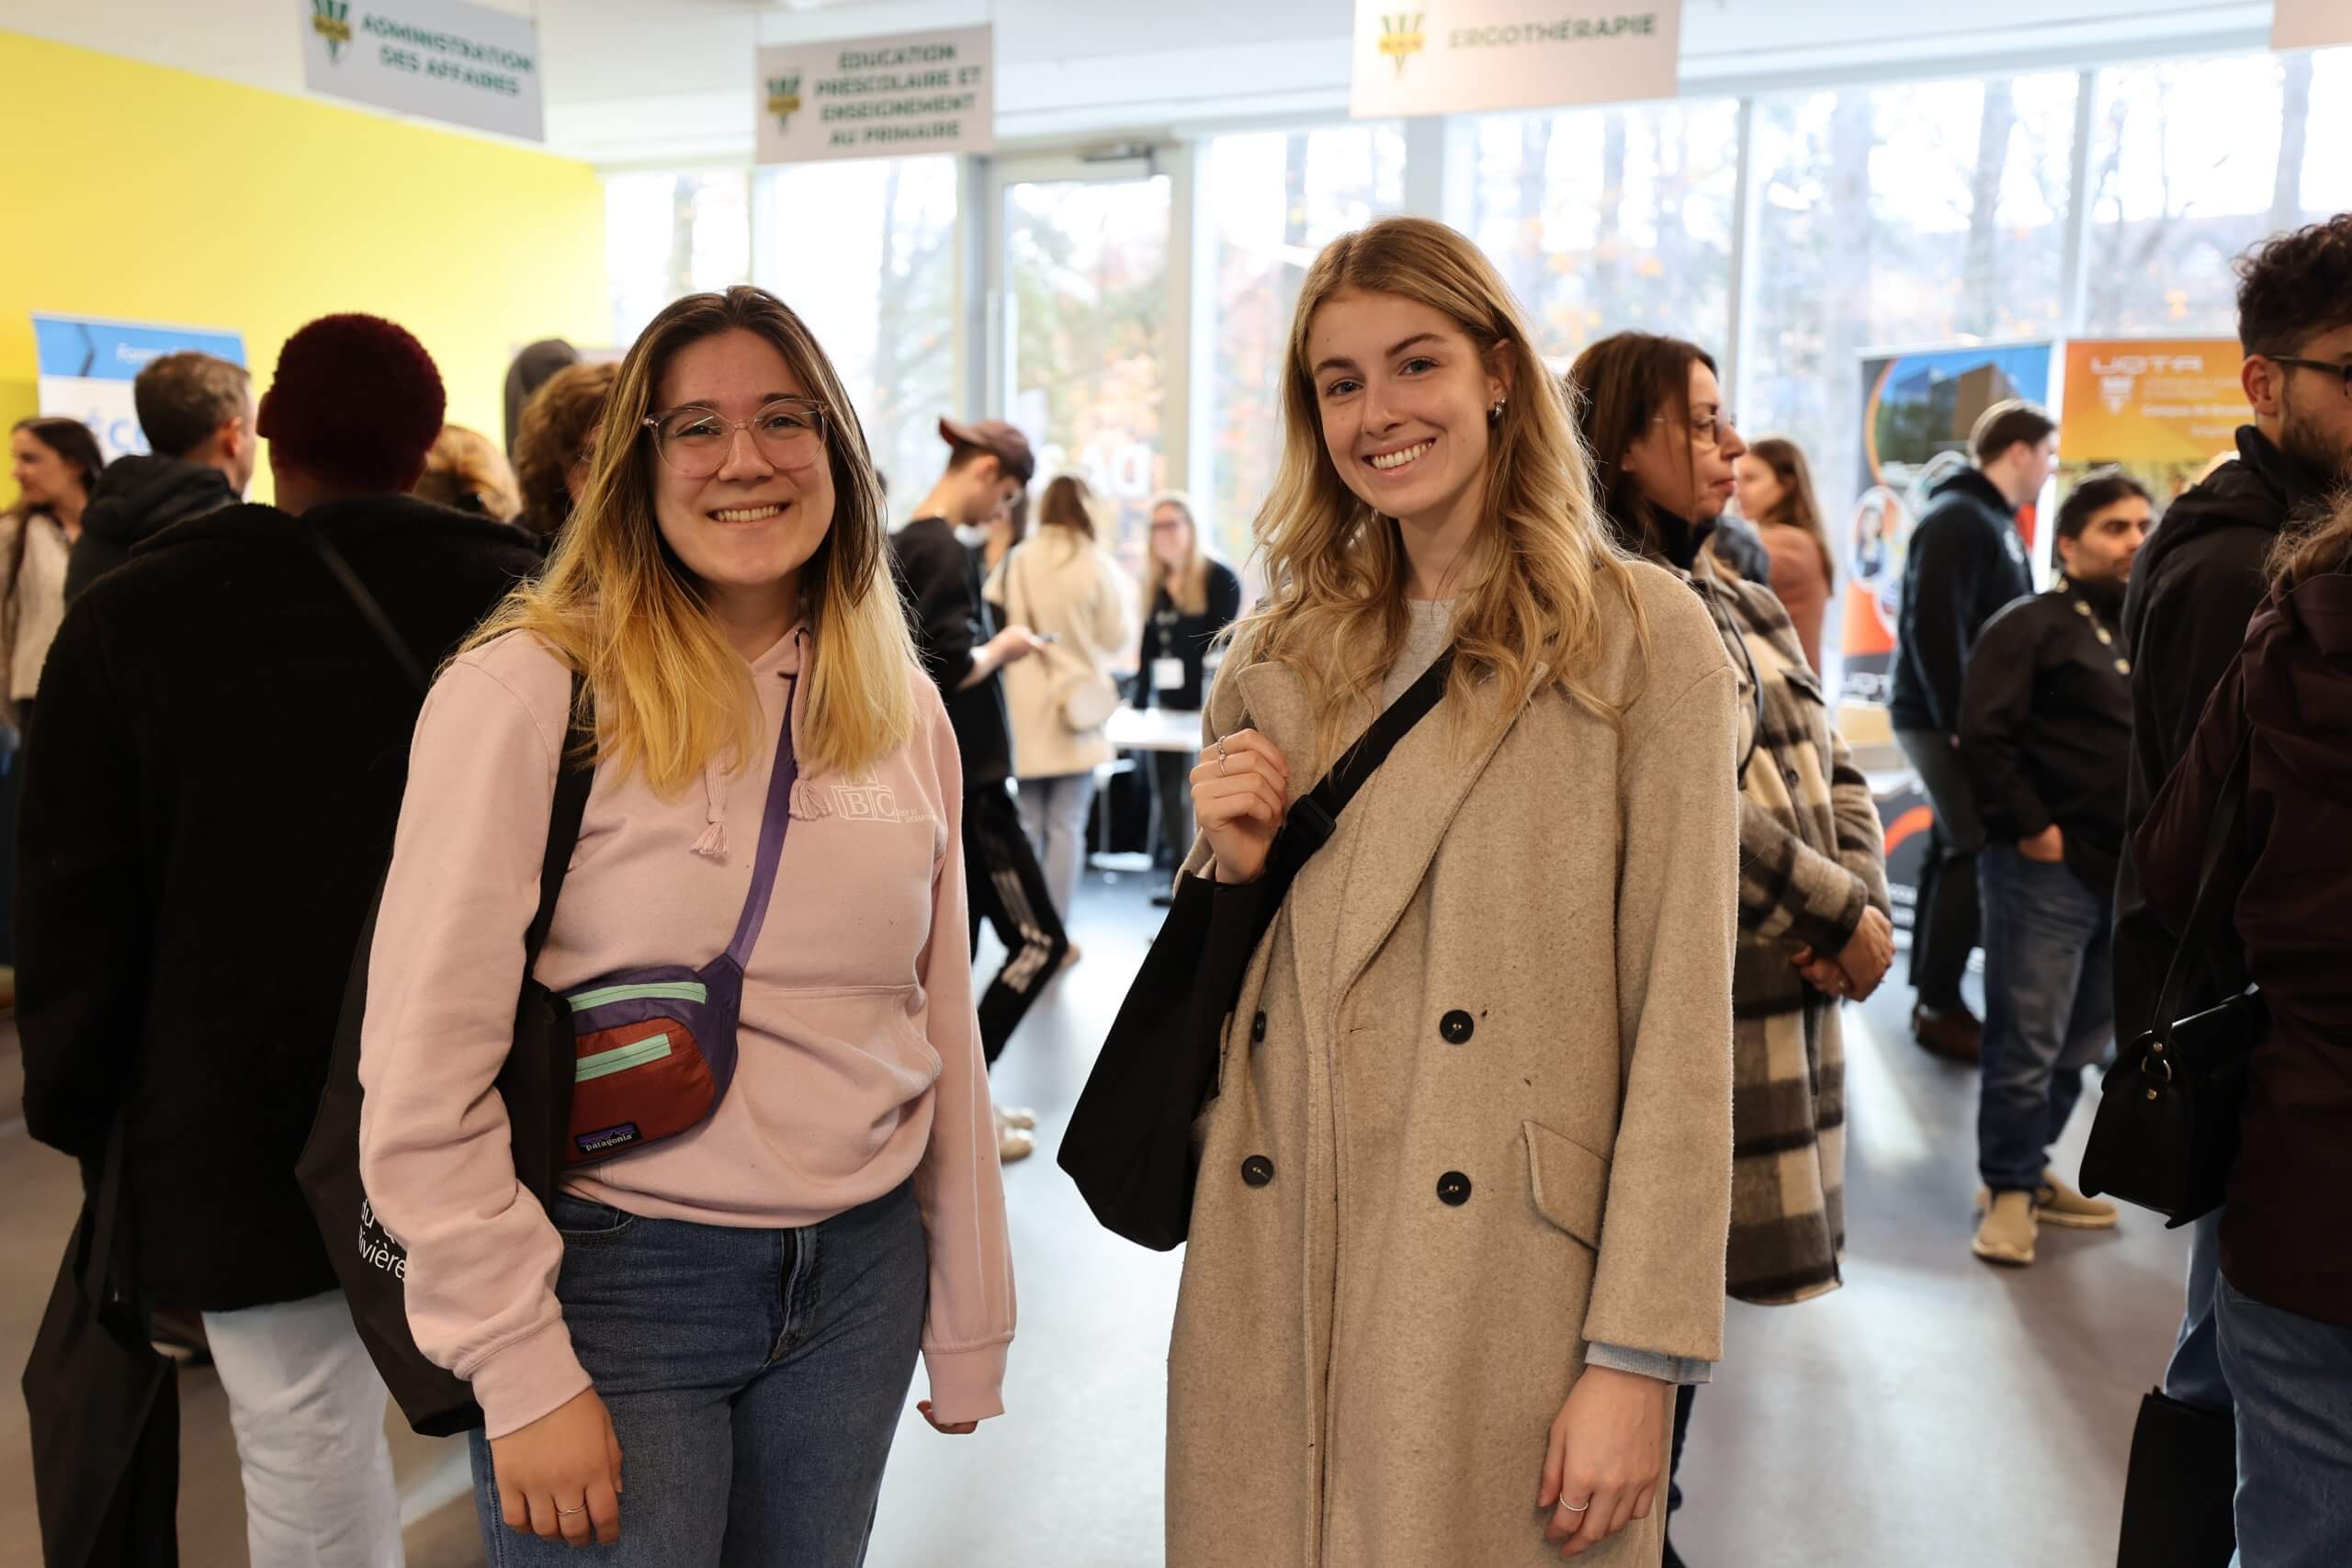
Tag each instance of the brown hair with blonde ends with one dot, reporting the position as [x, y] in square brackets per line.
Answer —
[1528, 613]
[2324, 544]
[617, 604]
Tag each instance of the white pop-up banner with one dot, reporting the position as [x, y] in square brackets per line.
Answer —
[877, 97]
[442, 59]
[1451, 56]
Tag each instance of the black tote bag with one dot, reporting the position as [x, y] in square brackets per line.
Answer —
[1129, 1143]
[535, 1084]
[2165, 1135]
[104, 1406]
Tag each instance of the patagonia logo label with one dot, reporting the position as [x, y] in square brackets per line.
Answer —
[605, 1138]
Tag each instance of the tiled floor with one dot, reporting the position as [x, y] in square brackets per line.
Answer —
[1934, 1413]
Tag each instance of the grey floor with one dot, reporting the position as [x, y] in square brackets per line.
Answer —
[1934, 1413]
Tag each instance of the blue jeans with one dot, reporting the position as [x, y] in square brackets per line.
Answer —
[2049, 1010]
[2293, 1377]
[2194, 1374]
[754, 1377]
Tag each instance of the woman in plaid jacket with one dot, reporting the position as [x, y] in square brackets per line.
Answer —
[1813, 922]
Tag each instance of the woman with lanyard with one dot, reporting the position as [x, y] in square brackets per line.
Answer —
[1459, 1219]
[732, 1313]
[1814, 925]
[1189, 598]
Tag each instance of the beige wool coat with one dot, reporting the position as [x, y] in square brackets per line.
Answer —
[1474, 1111]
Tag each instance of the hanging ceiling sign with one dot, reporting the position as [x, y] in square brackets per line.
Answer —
[1448, 56]
[440, 59]
[2309, 24]
[877, 97]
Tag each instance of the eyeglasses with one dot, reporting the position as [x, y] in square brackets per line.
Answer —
[1710, 430]
[790, 433]
[2342, 372]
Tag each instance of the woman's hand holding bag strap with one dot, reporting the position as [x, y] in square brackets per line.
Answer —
[2167, 1133]
[1129, 1143]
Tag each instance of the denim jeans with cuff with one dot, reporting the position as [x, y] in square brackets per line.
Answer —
[2049, 1008]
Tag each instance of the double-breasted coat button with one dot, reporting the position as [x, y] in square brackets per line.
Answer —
[1257, 1170]
[1456, 1027]
[1790, 774]
[1453, 1189]
[1257, 1030]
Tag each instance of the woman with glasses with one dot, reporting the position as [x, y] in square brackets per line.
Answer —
[727, 1318]
[1814, 926]
[1189, 598]
[1459, 1219]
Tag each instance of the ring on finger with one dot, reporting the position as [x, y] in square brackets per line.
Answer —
[1568, 1507]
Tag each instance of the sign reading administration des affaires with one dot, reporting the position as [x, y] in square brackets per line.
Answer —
[877, 97]
[441, 59]
[1449, 56]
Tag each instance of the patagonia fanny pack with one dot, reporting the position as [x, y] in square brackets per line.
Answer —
[654, 1048]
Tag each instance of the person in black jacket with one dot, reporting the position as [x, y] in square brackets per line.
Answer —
[196, 413]
[2196, 587]
[221, 748]
[1965, 562]
[2045, 729]
[1189, 598]
[989, 464]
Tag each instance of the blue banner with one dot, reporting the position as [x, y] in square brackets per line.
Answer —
[88, 365]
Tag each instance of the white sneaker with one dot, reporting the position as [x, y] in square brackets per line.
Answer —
[1012, 1143]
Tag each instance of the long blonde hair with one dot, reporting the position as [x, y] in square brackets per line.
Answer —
[1335, 608]
[617, 605]
[1188, 586]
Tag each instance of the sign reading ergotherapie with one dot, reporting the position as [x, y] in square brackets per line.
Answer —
[443, 59]
[1449, 56]
[875, 98]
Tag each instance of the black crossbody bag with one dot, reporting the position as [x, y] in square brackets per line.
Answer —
[1129, 1143]
[2167, 1132]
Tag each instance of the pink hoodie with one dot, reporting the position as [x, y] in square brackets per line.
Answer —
[860, 1059]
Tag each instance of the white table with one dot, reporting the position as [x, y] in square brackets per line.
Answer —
[1153, 729]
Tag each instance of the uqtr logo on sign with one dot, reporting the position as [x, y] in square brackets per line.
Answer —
[783, 99]
[1401, 37]
[2120, 372]
[331, 19]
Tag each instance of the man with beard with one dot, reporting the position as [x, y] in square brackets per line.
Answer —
[2045, 734]
[2197, 586]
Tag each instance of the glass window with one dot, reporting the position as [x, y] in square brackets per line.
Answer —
[1899, 216]
[1273, 199]
[1609, 220]
[865, 251]
[671, 234]
[1086, 271]
[2191, 162]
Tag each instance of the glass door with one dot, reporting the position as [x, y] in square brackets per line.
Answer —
[1083, 346]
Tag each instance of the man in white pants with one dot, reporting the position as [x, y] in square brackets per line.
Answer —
[212, 784]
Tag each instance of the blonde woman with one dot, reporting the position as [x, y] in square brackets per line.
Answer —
[465, 470]
[1459, 1223]
[1066, 588]
[732, 1315]
[1189, 598]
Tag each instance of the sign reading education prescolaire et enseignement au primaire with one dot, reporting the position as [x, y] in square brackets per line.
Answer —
[441, 59]
[877, 97]
[1452, 56]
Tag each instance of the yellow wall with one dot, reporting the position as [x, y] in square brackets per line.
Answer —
[165, 196]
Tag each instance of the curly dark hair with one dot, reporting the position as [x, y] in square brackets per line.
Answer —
[356, 400]
[558, 426]
[2295, 286]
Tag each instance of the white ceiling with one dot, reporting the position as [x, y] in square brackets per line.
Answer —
[666, 81]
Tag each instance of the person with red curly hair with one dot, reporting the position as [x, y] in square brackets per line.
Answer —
[224, 724]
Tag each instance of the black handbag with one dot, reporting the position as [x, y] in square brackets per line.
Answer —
[103, 1405]
[2167, 1133]
[2181, 1487]
[1129, 1143]
[535, 1084]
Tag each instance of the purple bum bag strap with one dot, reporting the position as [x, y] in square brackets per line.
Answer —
[773, 823]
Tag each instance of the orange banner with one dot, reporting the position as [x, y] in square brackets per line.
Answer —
[2147, 402]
